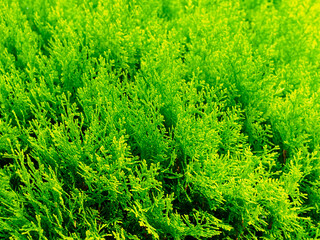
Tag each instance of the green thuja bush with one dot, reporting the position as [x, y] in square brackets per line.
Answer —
[158, 119]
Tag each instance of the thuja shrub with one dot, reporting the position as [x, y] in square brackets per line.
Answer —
[183, 119]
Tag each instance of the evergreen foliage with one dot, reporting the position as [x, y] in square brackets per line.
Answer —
[159, 119]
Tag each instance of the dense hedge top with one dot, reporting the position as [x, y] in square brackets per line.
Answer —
[159, 119]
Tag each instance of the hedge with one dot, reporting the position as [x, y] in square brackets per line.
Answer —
[159, 119]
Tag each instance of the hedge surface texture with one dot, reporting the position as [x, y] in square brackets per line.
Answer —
[159, 119]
